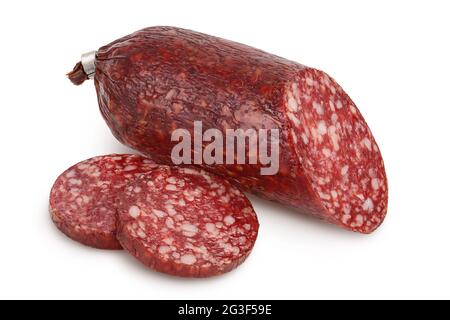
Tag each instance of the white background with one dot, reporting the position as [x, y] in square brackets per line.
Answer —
[392, 57]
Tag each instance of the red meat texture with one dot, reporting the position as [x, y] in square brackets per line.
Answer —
[186, 222]
[163, 78]
[83, 199]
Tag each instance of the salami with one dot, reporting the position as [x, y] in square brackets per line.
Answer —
[83, 198]
[163, 78]
[186, 222]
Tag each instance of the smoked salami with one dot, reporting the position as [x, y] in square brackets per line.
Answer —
[83, 198]
[163, 78]
[186, 222]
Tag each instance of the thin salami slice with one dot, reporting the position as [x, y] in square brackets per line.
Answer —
[186, 222]
[83, 198]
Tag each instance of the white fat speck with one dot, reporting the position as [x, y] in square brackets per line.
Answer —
[246, 210]
[171, 210]
[168, 241]
[172, 180]
[326, 152]
[229, 220]
[294, 136]
[309, 81]
[366, 142]
[188, 195]
[368, 205]
[321, 127]
[79, 201]
[74, 191]
[346, 218]
[76, 182]
[164, 249]
[304, 138]
[360, 196]
[333, 89]
[225, 199]
[130, 168]
[176, 255]
[339, 104]
[292, 104]
[247, 226]
[359, 220]
[71, 174]
[159, 213]
[134, 211]
[353, 109]
[331, 103]
[190, 171]
[141, 234]
[344, 170]
[171, 187]
[96, 173]
[334, 137]
[181, 202]
[188, 259]
[318, 107]
[189, 228]
[324, 196]
[86, 199]
[294, 119]
[211, 228]
[227, 247]
[137, 189]
[372, 173]
[197, 192]
[334, 118]
[375, 183]
[169, 223]
[207, 178]
[334, 194]
[346, 208]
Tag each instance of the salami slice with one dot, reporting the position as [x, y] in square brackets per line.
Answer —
[160, 79]
[186, 222]
[83, 198]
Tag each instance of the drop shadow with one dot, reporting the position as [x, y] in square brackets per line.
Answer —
[137, 266]
[296, 217]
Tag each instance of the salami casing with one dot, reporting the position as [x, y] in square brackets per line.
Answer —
[186, 222]
[83, 199]
[163, 78]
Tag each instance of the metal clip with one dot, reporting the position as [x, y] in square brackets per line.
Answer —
[88, 62]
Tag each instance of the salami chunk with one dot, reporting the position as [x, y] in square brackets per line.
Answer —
[83, 198]
[186, 222]
[160, 79]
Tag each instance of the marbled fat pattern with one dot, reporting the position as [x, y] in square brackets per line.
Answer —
[186, 222]
[163, 78]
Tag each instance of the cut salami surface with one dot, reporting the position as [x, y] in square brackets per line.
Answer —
[163, 78]
[186, 222]
[83, 198]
